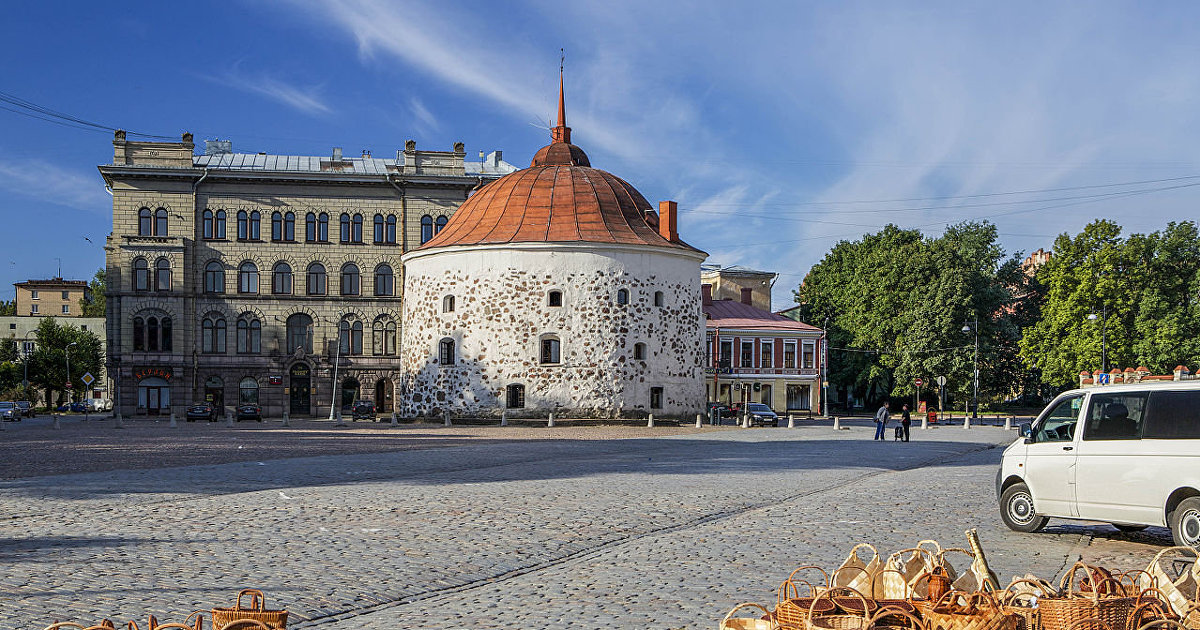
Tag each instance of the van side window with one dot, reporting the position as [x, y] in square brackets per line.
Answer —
[1115, 416]
[1173, 416]
[1059, 424]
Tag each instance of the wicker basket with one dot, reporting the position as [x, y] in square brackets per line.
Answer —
[257, 611]
[1061, 613]
[1150, 605]
[887, 618]
[763, 622]
[791, 608]
[838, 619]
[957, 610]
[902, 603]
[1028, 615]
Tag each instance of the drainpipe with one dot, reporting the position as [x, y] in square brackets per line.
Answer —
[400, 288]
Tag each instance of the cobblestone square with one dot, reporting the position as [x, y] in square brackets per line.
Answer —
[488, 527]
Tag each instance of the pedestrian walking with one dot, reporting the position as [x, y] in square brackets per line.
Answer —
[881, 418]
[905, 421]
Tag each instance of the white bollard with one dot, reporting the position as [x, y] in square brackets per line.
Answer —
[395, 420]
[173, 423]
[1008, 423]
[503, 418]
[837, 423]
[286, 421]
[56, 424]
[338, 417]
[550, 422]
[967, 421]
[791, 421]
[446, 417]
[120, 422]
[228, 418]
[925, 421]
[650, 421]
[699, 420]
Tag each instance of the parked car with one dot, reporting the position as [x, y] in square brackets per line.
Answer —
[1126, 454]
[26, 408]
[762, 415]
[9, 412]
[77, 407]
[364, 410]
[201, 411]
[96, 405]
[249, 412]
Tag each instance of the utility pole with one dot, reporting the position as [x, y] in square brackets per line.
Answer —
[68, 351]
[825, 367]
[967, 328]
[337, 357]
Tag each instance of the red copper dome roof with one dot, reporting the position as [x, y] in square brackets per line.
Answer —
[559, 198]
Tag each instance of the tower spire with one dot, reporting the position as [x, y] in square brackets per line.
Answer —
[561, 132]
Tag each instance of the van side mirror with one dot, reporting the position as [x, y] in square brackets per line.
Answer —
[1025, 431]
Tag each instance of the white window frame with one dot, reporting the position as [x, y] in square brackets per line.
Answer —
[810, 347]
[742, 353]
[795, 356]
[763, 343]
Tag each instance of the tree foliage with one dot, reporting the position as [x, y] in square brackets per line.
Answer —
[1144, 291]
[896, 303]
[94, 307]
[48, 363]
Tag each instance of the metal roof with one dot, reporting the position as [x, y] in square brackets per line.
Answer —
[317, 164]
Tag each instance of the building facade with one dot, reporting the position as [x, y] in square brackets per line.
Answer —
[729, 283]
[555, 289]
[51, 298]
[268, 279]
[755, 355]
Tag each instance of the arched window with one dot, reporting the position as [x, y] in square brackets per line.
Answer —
[344, 228]
[206, 223]
[249, 335]
[289, 226]
[356, 338]
[162, 275]
[243, 225]
[554, 298]
[255, 225]
[323, 227]
[281, 279]
[145, 222]
[350, 337]
[390, 236]
[383, 338]
[515, 396]
[299, 333]
[378, 229]
[212, 335]
[658, 298]
[219, 225]
[165, 325]
[141, 274]
[622, 296]
[214, 277]
[248, 391]
[139, 334]
[248, 278]
[448, 304]
[152, 334]
[350, 279]
[160, 222]
[384, 280]
[277, 226]
[550, 349]
[310, 227]
[439, 224]
[315, 280]
[426, 229]
[356, 234]
[639, 351]
[446, 354]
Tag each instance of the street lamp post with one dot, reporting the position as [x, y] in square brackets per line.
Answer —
[337, 356]
[68, 350]
[1103, 335]
[968, 327]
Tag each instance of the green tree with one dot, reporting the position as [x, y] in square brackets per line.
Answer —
[48, 363]
[8, 307]
[94, 307]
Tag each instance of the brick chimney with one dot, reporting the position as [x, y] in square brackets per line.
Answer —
[706, 294]
[748, 296]
[668, 220]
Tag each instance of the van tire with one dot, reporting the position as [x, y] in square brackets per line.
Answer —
[1185, 523]
[1016, 509]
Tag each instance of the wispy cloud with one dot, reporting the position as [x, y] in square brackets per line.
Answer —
[425, 120]
[38, 179]
[305, 99]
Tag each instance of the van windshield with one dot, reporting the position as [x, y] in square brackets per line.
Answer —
[1058, 424]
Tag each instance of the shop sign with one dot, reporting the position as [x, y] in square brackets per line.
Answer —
[147, 372]
[275, 380]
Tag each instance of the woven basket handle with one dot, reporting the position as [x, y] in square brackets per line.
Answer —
[914, 552]
[1152, 608]
[890, 611]
[258, 602]
[1067, 585]
[812, 608]
[825, 575]
[247, 624]
[966, 606]
[942, 556]
[64, 624]
[789, 586]
[737, 608]
[1008, 595]
[1179, 550]
[1090, 620]
[1135, 576]
[904, 580]
[199, 615]
[1164, 623]
[175, 626]
[935, 544]
[874, 551]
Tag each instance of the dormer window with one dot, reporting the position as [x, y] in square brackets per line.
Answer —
[555, 298]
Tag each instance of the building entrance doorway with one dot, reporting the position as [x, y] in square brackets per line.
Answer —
[214, 392]
[383, 396]
[799, 397]
[349, 393]
[154, 395]
[300, 390]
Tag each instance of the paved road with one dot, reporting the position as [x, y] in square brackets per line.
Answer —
[655, 532]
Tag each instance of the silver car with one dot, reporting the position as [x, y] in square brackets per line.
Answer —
[9, 412]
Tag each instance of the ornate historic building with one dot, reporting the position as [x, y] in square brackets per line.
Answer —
[238, 277]
[555, 288]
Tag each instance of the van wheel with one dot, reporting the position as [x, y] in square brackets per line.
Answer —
[1016, 509]
[1185, 523]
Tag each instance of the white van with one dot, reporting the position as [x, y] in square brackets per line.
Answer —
[1136, 461]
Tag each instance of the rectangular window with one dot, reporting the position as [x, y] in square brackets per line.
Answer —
[1173, 416]
[33, 295]
[656, 397]
[66, 295]
[66, 308]
[747, 354]
[766, 357]
[33, 309]
[789, 355]
[808, 356]
[27, 347]
[726, 359]
[1115, 417]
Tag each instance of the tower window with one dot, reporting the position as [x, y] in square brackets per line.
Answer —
[658, 298]
[448, 304]
[622, 296]
[446, 355]
[550, 350]
[639, 351]
[555, 298]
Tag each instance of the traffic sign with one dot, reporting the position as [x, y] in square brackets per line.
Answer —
[941, 381]
[87, 378]
[67, 385]
[919, 382]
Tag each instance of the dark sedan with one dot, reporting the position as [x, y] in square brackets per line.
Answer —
[249, 412]
[201, 411]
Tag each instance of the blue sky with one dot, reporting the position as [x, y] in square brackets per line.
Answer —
[780, 128]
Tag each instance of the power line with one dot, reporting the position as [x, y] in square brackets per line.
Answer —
[40, 112]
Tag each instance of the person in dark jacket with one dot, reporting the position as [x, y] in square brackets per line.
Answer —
[881, 418]
[905, 421]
